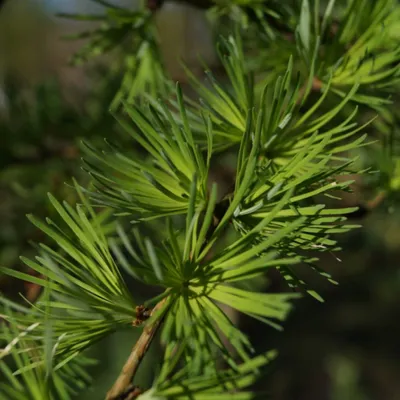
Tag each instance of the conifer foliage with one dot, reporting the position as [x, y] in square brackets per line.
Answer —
[310, 91]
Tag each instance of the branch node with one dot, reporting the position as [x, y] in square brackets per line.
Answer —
[131, 393]
[142, 314]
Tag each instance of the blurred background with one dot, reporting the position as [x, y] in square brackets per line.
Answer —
[347, 348]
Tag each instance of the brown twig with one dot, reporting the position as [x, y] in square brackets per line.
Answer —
[138, 352]
[376, 201]
[316, 86]
[131, 393]
[364, 209]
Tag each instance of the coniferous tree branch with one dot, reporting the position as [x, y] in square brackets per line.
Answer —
[137, 354]
[294, 134]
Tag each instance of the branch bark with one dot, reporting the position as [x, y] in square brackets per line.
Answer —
[138, 352]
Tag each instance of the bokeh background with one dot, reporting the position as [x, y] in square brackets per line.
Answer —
[347, 348]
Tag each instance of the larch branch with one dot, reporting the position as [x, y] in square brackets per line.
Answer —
[138, 352]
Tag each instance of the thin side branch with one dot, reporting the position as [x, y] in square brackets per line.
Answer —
[138, 352]
[376, 201]
[316, 86]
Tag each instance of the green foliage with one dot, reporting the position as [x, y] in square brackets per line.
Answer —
[133, 34]
[166, 183]
[84, 280]
[33, 355]
[360, 49]
[213, 386]
[156, 216]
